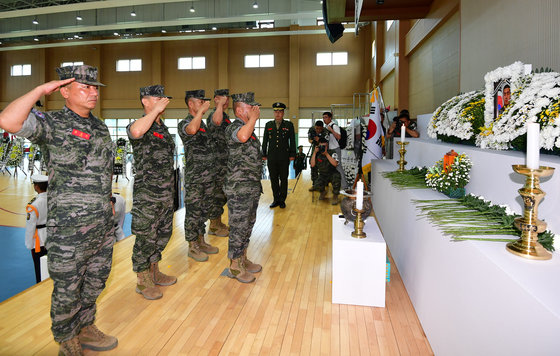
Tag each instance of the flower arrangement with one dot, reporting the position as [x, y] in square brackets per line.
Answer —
[16, 154]
[468, 118]
[450, 176]
[414, 178]
[3, 147]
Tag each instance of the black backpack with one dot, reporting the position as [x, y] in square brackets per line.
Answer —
[343, 138]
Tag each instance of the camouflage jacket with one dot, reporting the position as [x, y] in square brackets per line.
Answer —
[153, 159]
[199, 153]
[79, 162]
[323, 165]
[218, 135]
[245, 158]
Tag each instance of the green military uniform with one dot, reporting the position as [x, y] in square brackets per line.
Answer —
[217, 135]
[243, 183]
[199, 177]
[79, 220]
[311, 134]
[327, 172]
[279, 144]
[154, 184]
[300, 163]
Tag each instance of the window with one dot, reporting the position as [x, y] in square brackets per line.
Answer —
[129, 65]
[19, 70]
[185, 63]
[332, 58]
[265, 24]
[388, 24]
[259, 61]
[303, 129]
[320, 21]
[69, 64]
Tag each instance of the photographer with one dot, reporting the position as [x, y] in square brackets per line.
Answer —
[313, 135]
[334, 135]
[326, 162]
[403, 119]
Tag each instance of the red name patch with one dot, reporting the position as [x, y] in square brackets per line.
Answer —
[81, 134]
[253, 137]
[229, 122]
[158, 135]
[201, 129]
[269, 129]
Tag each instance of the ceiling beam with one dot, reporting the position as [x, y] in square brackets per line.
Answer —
[82, 6]
[139, 24]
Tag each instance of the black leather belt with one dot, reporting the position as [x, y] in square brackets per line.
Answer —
[41, 226]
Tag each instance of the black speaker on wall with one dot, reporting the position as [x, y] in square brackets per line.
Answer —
[334, 30]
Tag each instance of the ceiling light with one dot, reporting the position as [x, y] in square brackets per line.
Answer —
[35, 22]
[36, 39]
[78, 17]
[214, 28]
[115, 33]
[163, 31]
[133, 13]
[255, 5]
[380, 2]
[192, 9]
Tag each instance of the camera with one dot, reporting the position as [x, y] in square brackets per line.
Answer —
[321, 149]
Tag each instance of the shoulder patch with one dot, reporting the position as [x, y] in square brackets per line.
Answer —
[32, 200]
[38, 113]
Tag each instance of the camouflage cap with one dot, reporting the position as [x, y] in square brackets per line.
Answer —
[221, 92]
[197, 94]
[84, 74]
[247, 98]
[278, 106]
[153, 90]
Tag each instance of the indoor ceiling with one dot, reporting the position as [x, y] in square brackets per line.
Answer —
[46, 23]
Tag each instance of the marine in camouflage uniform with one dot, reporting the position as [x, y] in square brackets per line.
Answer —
[217, 122]
[154, 182]
[313, 135]
[199, 174]
[326, 164]
[79, 220]
[243, 184]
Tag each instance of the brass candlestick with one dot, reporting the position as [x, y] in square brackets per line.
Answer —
[402, 152]
[359, 224]
[528, 246]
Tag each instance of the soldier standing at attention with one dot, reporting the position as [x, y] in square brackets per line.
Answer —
[152, 207]
[279, 148]
[217, 122]
[79, 219]
[199, 174]
[36, 226]
[243, 184]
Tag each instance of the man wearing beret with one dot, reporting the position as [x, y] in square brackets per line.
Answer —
[152, 209]
[199, 174]
[279, 148]
[217, 122]
[80, 219]
[243, 184]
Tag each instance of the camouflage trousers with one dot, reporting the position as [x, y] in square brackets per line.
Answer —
[242, 203]
[79, 261]
[152, 223]
[314, 174]
[218, 197]
[197, 208]
[324, 179]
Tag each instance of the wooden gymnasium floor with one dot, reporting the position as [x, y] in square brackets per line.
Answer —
[288, 311]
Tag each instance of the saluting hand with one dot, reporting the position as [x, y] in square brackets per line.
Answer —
[55, 85]
[161, 105]
[254, 112]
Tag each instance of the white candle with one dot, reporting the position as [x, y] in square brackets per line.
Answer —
[360, 195]
[532, 145]
[403, 132]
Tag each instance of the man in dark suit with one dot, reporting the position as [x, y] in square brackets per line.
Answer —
[279, 148]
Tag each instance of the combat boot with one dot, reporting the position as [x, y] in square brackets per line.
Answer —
[218, 228]
[323, 195]
[206, 247]
[334, 199]
[145, 286]
[195, 251]
[238, 271]
[250, 266]
[71, 347]
[159, 278]
[94, 339]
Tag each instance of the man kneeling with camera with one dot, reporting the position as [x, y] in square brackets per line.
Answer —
[326, 162]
